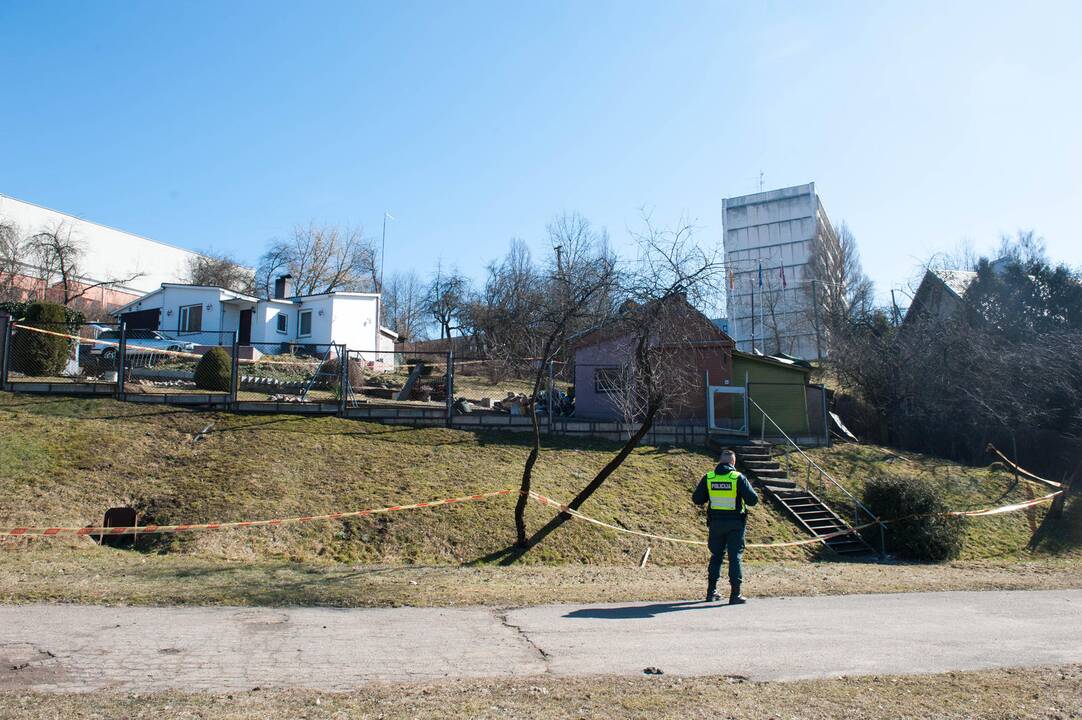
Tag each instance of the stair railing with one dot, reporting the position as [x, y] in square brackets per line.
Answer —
[823, 473]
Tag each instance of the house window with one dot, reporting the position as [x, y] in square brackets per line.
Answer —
[305, 323]
[191, 318]
[283, 323]
[608, 379]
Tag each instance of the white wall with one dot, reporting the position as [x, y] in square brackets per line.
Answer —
[265, 323]
[355, 323]
[108, 253]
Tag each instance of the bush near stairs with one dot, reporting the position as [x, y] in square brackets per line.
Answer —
[933, 539]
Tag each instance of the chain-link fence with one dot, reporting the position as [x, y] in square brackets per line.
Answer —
[399, 378]
[289, 372]
[62, 353]
[167, 362]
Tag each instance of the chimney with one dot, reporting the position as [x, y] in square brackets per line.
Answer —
[283, 288]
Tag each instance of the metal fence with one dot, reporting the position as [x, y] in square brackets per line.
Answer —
[398, 378]
[171, 362]
[289, 372]
[61, 353]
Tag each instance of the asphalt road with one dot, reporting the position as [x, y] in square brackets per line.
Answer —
[72, 648]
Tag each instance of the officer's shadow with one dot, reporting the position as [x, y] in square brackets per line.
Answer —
[638, 612]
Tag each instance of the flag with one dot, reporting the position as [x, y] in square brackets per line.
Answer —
[783, 283]
[732, 280]
[760, 274]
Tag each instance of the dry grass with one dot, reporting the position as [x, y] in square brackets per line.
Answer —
[48, 573]
[65, 460]
[1030, 693]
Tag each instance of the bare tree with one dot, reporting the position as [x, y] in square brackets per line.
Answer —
[672, 272]
[58, 258]
[538, 308]
[321, 258]
[13, 252]
[403, 305]
[446, 299]
[219, 270]
[841, 289]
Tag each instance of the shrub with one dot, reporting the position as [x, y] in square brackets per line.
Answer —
[931, 537]
[214, 371]
[333, 367]
[37, 354]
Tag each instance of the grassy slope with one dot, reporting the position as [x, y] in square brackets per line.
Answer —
[62, 461]
[66, 460]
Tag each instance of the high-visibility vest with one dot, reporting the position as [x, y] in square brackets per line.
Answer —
[724, 490]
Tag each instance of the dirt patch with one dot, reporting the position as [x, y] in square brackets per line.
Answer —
[1031, 693]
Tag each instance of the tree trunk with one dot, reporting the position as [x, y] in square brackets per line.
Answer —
[527, 471]
[590, 489]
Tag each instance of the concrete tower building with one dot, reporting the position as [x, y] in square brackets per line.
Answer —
[770, 238]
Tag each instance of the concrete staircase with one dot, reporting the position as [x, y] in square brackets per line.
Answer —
[811, 513]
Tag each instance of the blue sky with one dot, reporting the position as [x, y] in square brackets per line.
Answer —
[219, 125]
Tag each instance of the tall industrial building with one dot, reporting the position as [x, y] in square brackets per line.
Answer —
[137, 264]
[769, 240]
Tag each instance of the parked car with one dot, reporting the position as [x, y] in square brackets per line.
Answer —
[143, 344]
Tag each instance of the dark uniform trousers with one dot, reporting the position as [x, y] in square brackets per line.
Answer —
[726, 536]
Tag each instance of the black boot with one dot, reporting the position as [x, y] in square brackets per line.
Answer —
[735, 598]
[712, 594]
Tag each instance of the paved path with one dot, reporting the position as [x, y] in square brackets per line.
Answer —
[80, 648]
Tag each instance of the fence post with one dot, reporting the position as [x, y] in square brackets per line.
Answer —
[882, 542]
[343, 383]
[234, 381]
[121, 359]
[450, 383]
[5, 344]
[552, 394]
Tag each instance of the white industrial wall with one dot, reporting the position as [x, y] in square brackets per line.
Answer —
[776, 229]
[108, 253]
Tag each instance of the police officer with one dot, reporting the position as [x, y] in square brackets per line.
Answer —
[729, 494]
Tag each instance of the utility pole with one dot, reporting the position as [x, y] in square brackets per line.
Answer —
[383, 248]
[753, 321]
[818, 335]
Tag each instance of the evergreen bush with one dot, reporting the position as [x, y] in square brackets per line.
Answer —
[930, 536]
[37, 354]
[214, 371]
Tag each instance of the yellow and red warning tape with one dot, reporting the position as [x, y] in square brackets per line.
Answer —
[16, 532]
[155, 529]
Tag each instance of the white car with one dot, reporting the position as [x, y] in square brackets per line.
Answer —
[141, 343]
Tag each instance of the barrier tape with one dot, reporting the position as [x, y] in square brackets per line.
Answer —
[795, 543]
[159, 529]
[244, 361]
[160, 351]
[1025, 474]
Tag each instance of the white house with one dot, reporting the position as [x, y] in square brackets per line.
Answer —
[271, 326]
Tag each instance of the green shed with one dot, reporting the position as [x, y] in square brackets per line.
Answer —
[780, 387]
